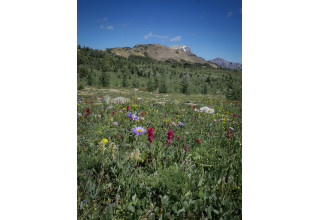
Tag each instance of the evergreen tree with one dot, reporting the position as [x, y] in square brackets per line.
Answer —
[105, 79]
[125, 82]
[150, 85]
[163, 87]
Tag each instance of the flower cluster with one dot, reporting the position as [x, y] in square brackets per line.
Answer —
[150, 135]
[170, 137]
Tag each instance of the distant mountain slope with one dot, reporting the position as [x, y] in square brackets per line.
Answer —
[161, 53]
[226, 64]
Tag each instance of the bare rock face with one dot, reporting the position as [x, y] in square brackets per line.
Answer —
[120, 100]
[207, 110]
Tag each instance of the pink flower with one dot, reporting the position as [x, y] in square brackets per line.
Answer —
[179, 138]
[198, 140]
[186, 148]
[113, 112]
[150, 135]
[170, 136]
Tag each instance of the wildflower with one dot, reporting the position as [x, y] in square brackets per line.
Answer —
[187, 132]
[180, 123]
[170, 136]
[84, 201]
[231, 128]
[120, 135]
[137, 154]
[88, 111]
[142, 114]
[105, 140]
[110, 106]
[234, 122]
[174, 124]
[165, 114]
[211, 133]
[138, 130]
[234, 115]
[113, 112]
[79, 114]
[194, 107]
[135, 106]
[115, 123]
[198, 140]
[142, 118]
[179, 138]
[150, 135]
[227, 119]
[102, 146]
[85, 115]
[186, 148]
[128, 107]
[215, 120]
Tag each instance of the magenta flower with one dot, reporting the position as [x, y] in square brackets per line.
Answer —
[186, 148]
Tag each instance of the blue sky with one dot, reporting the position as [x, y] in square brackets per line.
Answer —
[211, 28]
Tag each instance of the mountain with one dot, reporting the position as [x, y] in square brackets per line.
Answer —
[160, 52]
[182, 47]
[226, 64]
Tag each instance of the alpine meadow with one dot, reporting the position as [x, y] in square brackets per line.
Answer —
[159, 128]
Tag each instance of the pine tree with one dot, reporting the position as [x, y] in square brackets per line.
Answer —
[163, 88]
[150, 85]
[105, 79]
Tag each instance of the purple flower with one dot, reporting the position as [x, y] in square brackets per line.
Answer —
[142, 118]
[186, 148]
[115, 123]
[227, 119]
[234, 122]
[180, 123]
[174, 124]
[215, 120]
[138, 130]
[132, 116]
[129, 114]
[231, 128]
[110, 106]
[79, 114]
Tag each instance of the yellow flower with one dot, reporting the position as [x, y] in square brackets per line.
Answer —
[134, 105]
[177, 116]
[187, 132]
[105, 140]
[99, 132]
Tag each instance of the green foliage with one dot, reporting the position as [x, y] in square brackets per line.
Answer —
[105, 79]
[126, 178]
[163, 87]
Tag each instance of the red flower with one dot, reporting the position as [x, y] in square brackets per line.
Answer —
[113, 112]
[179, 138]
[194, 107]
[128, 108]
[85, 115]
[150, 135]
[88, 110]
[142, 114]
[234, 115]
[186, 148]
[170, 136]
[198, 140]
[120, 135]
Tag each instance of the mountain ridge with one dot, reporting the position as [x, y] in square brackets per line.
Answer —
[179, 53]
[226, 64]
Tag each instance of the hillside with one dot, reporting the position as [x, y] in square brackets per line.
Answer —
[161, 53]
[226, 64]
